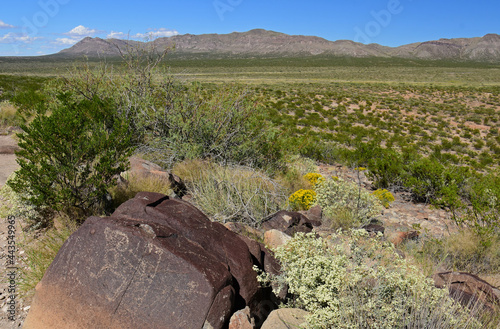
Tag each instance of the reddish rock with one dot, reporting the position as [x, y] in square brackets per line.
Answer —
[288, 222]
[242, 320]
[468, 289]
[155, 263]
[401, 237]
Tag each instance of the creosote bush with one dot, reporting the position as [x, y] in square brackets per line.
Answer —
[353, 281]
[69, 159]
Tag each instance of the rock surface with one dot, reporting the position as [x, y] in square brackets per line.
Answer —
[468, 289]
[155, 262]
[285, 318]
[288, 222]
[242, 320]
[275, 238]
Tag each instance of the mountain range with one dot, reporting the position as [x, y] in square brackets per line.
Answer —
[266, 43]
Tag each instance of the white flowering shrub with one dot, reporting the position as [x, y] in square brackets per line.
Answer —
[345, 199]
[354, 281]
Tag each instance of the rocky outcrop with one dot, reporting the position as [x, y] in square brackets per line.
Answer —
[156, 262]
[468, 289]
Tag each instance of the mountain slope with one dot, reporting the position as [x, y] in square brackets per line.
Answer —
[269, 43]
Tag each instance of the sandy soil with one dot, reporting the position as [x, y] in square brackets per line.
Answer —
[8, 165]
[8, 162]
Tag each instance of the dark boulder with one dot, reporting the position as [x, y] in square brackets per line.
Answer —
[468, 289]
[156, 262]
[289, 222]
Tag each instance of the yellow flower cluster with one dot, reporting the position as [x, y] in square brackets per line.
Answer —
[302, 199]
[314, 178]
[384, 196]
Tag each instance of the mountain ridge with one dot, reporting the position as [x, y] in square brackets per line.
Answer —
[259, 42]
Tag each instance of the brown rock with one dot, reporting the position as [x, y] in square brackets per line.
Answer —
[314, 214]
[285, 318]
[242, 320]
[468, 289]
[401, 237]
[8, 149]
[155, 263]
[288, 222]
[141, 166]
[245, 230]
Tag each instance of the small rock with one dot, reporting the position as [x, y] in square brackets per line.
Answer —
[242, 320]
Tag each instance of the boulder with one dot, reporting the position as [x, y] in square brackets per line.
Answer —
[468, 289]
[156, 262]
[274, 238]
[285, 318]
[374, 228]
[314, 214]
[288, 222]
[245, 230]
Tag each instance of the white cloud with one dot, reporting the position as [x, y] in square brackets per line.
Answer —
[17, 37]
[82, 31]
[4, 25]
[67, 41]
[156, 33]
[117, 35]
[152, 34]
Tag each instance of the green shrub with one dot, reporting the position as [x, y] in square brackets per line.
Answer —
[338, 197]
[69, 159]
[353, 281]
[222, 125]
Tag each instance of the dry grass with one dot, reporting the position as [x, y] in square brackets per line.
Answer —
[464, 251]
[40, 252]
[231, 193]
[135, 183]
[7, 114]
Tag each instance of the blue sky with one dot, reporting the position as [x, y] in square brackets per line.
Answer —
[47, 26]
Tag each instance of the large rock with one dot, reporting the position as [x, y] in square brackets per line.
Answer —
[285, 318]
[468, 289]
[155, 263]
[289, 222]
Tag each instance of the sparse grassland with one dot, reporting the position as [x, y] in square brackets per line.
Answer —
[429, 128]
